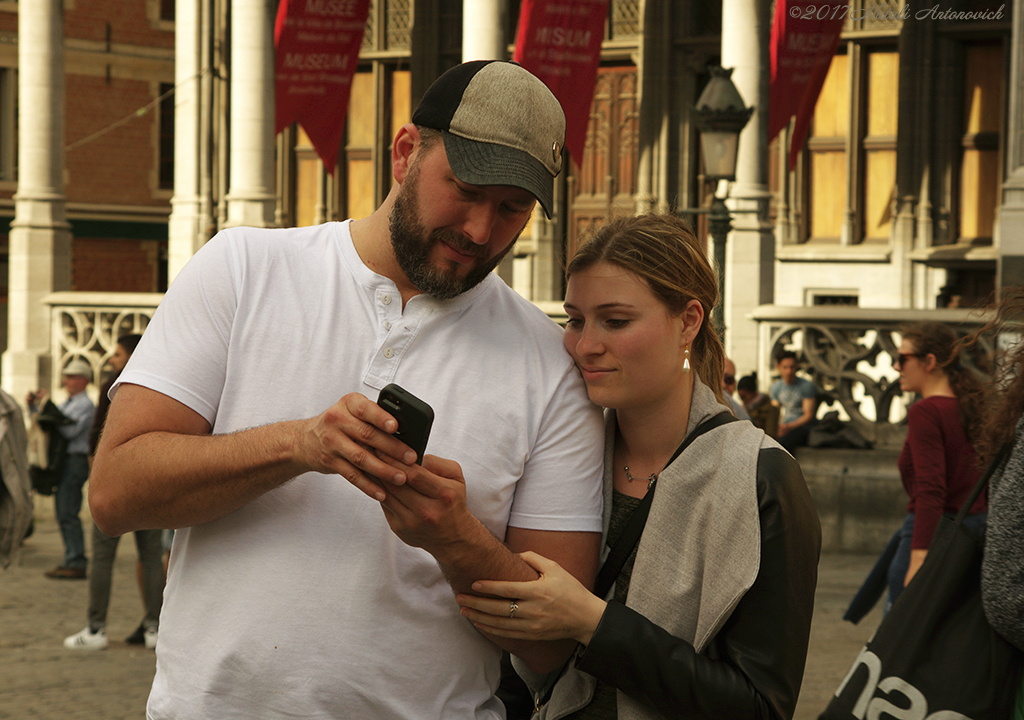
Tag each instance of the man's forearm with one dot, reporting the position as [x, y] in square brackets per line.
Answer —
[802, 420]
[483, 556]
[170, 480]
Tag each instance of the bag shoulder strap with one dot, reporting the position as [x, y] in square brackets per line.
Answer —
[623, 548]
[993, 465]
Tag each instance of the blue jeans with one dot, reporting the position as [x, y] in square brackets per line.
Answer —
[901, 561]
[68, 504]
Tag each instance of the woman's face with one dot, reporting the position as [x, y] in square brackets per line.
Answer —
[119, 359]
[913, 372]
[622, 337]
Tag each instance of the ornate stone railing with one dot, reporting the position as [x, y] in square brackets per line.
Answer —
[87, 325]
[848, 352]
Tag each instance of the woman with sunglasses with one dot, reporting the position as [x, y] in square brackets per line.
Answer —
[938, 465]
[710, 614]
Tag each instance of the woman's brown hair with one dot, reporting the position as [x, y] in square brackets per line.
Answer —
[664, 252]
[1004, 395]
[932, 338]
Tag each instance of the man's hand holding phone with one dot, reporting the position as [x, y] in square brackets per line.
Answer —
[348, 439]
[413, 415]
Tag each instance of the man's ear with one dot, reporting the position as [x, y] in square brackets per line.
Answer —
[402, 150]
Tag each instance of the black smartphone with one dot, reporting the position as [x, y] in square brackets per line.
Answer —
[413, 415]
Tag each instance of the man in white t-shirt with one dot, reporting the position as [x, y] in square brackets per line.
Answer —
[295, 592]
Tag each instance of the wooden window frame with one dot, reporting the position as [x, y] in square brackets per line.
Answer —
[856, 145]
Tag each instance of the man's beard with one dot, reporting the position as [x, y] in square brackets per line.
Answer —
[412, 247]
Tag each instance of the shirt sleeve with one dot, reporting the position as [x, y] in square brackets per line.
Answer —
[928, 454]
[183, 353]
[561, 486]
[808, 390]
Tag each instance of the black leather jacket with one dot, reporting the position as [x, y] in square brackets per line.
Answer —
[754, 665]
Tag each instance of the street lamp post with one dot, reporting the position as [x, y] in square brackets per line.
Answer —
[720, 115]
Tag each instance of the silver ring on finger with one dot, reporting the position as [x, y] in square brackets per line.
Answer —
[512, 607]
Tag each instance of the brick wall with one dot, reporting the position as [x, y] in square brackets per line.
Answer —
[128, 19]
[115, 265]
[118, 167]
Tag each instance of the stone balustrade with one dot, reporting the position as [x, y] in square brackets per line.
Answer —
[847, 351]
[88, 324]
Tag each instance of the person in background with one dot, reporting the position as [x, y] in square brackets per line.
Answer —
[938, 465]
[797, 400]
[80, 410]
[15, 483]
[763, 413]
[148, 543]
[710, 615]
[729, 387]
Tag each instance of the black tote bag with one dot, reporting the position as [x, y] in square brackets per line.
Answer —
[935, 652]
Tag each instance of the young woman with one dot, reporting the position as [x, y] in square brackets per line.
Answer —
[710, 616]
[938, 465]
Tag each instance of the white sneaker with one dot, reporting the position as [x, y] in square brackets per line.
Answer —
[86, 640]
[149, 635]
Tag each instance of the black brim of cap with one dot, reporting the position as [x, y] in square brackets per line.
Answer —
[480, 163]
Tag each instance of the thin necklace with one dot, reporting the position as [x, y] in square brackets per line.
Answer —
[650, 480]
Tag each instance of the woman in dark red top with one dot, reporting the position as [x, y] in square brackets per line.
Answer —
[937, 465]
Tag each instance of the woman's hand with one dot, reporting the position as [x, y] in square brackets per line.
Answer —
[553, 607]
[916, 560]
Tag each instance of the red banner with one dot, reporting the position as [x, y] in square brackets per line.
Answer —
[559, 41]
[317, 49]
[805, 35]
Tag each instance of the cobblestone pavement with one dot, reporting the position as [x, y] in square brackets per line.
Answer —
[40, 679]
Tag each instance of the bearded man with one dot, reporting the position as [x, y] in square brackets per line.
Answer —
[313, 571]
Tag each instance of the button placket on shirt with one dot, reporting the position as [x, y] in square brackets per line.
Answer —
[398, 330]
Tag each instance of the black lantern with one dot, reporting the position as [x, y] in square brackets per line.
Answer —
[720, 116]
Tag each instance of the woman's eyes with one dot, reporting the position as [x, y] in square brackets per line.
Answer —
[613, 323]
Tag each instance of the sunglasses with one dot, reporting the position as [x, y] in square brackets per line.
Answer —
[901, 359]
[729, 379]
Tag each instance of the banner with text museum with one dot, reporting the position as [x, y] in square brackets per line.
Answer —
[559, 41]
[316, 46]
[805, 35]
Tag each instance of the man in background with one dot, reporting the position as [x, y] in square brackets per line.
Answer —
[148, 544]
[729, 387]
[79, 410]
[798, 400]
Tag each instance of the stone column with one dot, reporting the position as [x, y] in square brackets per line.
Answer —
[251, 198]
[40, 239]
[188, 225]
[483, 38]
[1010, 229]
[483, 30]
[750, 250]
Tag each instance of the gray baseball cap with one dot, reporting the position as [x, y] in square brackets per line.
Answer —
[78, 366]
[501, 126]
